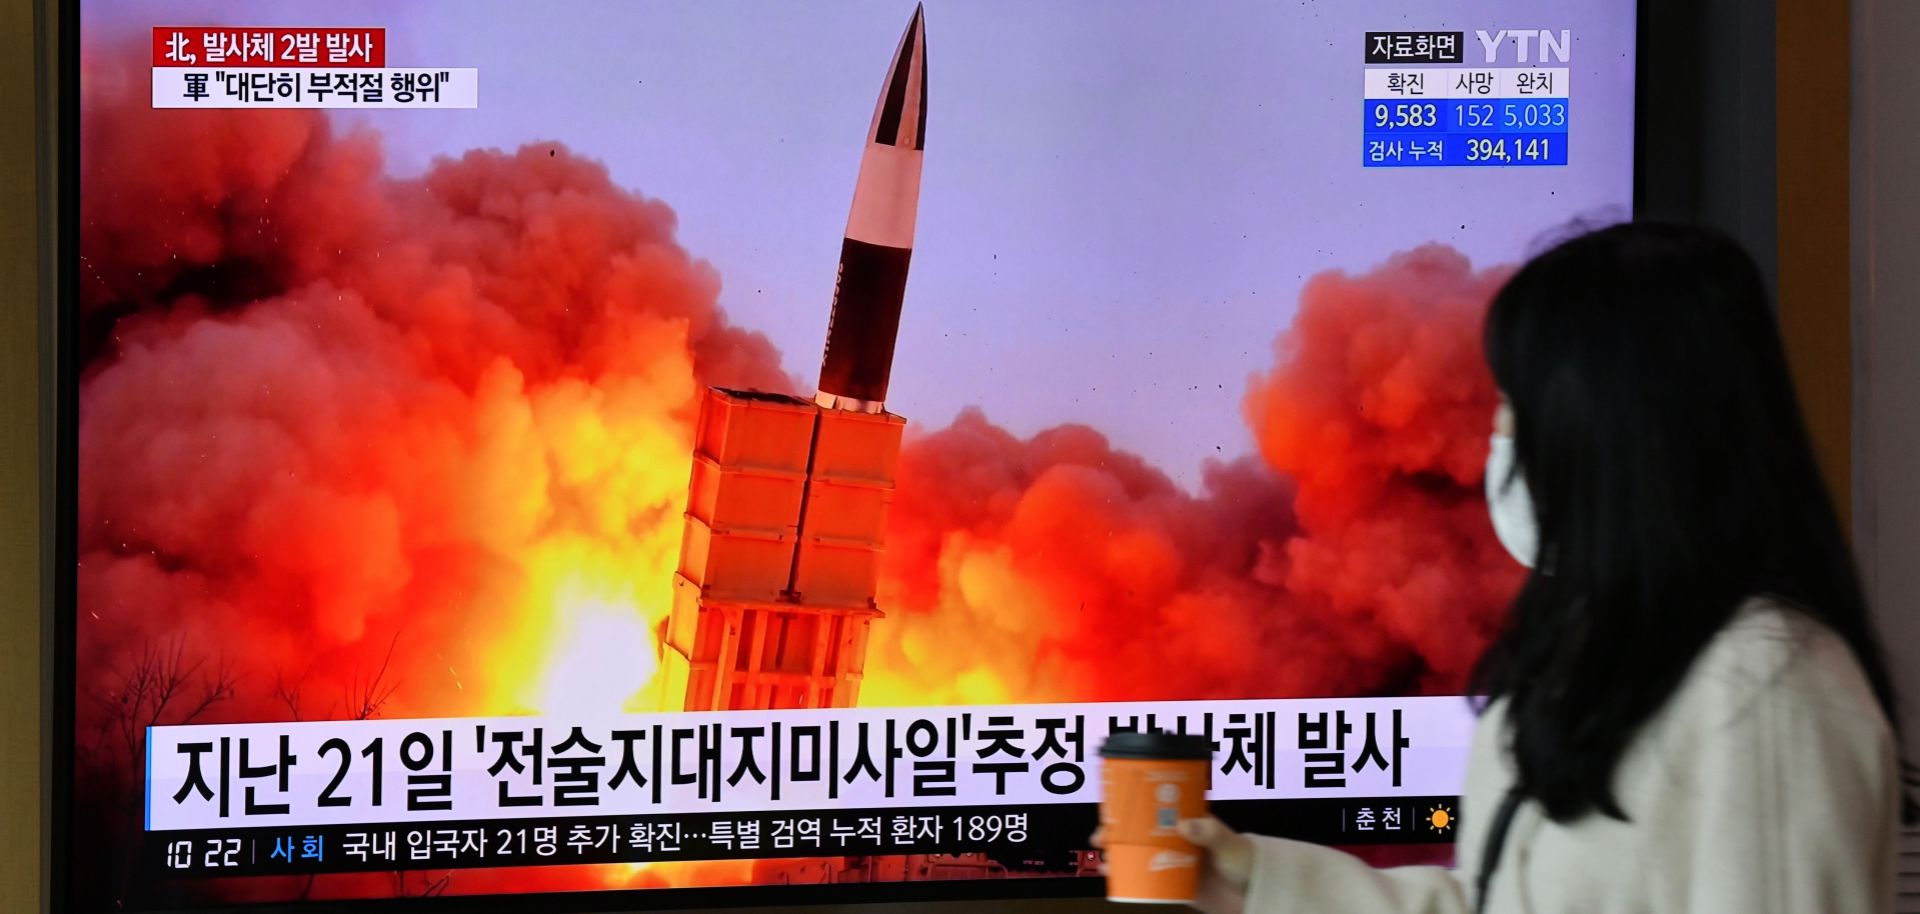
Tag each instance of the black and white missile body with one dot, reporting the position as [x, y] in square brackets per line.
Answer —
[872, 279]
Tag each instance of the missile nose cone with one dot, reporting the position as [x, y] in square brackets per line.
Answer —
[900, 118]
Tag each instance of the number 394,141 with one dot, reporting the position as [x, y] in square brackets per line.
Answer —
[1515, 149]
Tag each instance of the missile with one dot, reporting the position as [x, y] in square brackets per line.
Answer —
[872, 278]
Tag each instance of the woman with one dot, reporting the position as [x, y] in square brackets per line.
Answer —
[1687, 709]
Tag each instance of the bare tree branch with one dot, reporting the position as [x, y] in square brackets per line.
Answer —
[170, 675]
[363, 701]
[152, 681]
[218, 688]
[289, 695]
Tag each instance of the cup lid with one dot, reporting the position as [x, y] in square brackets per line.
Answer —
[1157, 744]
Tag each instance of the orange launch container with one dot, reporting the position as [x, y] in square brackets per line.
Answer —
[786, 519]
[737, 564]
[755, 430]
[858, 447]
[849, 489]
[742, 498]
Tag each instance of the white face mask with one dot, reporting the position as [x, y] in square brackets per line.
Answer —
[1510, 504]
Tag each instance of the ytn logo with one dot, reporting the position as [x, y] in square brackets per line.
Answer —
[1552, 45]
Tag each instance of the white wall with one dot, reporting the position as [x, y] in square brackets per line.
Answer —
[1886, 329]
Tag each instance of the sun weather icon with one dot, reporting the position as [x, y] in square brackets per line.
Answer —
[1440, 818]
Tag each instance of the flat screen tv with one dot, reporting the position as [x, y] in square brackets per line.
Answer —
[590, 456]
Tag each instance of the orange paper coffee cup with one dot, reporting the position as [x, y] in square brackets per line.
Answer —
[1151, 782]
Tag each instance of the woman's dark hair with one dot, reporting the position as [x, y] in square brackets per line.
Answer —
[1657, 430]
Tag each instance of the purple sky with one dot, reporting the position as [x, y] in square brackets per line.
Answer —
[1121, 198]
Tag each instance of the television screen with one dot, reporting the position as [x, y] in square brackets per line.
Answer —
[701, 452]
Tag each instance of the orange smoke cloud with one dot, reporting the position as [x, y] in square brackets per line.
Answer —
[334, 422]
[1379, 407]
[1057, 569]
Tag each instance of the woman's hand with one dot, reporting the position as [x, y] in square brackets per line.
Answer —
[1229, 867]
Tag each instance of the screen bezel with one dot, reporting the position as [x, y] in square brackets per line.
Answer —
[61, 609]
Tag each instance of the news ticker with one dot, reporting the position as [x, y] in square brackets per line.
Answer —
[424, 87]
[465, 769]
[281, 67]
[1037, 834]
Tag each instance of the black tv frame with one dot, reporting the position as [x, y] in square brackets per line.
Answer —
[1703, 152]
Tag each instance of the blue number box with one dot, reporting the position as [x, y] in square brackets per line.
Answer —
[1464, 132]
[1391, 150]
[1459, 115]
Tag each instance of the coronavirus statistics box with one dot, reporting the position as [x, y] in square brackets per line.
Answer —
[1425, 107]
[246, 799]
